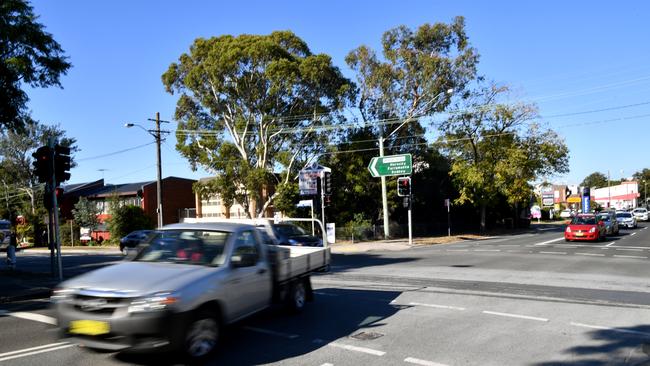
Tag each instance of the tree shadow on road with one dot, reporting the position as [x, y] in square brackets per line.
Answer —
[619, 346]
[345, 262]
[275, 335]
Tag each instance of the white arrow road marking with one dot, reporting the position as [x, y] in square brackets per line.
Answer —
[369, 351]
[550, 241]
[34, 350]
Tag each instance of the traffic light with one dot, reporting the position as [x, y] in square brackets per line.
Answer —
[404, 186]
[47, 198]
[327, 183]
[61, 163]
[43, 164]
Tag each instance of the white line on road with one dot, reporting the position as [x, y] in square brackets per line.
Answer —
[327, 364]
[515, 316]
[608, 328]
[487, 250]
[369, 351]
[591, 254]
[436, 306]
[35, 350]
[630, 256]
[550, 241]
[509, 245]
[417, 361]
[552, 252]
[631, 250]
[271, 332]
[632, 234]
[30, 316]
[457, 250]
[610, 244]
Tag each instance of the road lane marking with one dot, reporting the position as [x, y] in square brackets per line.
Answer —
[457, 250]
[327, 364]
[591, 254]
[30, 316]
[436, 306]
[369, 351]
[516, 316]
[631, 250]
[487, 250]
[610, 244]
[35, 351]
[632, 234]
[417, 361]
[630, 256]
[552, 252]
[550, 241]
[608, 328]
[271, 332]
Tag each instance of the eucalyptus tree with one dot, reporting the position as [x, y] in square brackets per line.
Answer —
[29, 56]
[497, 148]
[254, 107]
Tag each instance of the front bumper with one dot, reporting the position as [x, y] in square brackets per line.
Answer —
[580, 236]
[157, 330]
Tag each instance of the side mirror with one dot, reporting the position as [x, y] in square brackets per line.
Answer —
[243, 260]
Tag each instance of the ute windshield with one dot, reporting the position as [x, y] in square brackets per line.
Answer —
[583, 220]
[194, 247]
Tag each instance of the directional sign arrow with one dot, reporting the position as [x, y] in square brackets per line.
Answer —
[383, 166]
[373, 167]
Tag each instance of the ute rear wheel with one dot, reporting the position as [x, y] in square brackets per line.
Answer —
[297, 297]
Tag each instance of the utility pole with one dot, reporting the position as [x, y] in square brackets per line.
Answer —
[384, 198]
[609, 190]
[159, 206]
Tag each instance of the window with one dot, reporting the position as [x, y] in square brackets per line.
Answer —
[246, 244]
[185, 247]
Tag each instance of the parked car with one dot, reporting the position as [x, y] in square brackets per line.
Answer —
[585, 227]
[133, 239]
[566, 214]
[289, 234]
[641, 214]
[188, 282]
[626, 219]
[609, 218]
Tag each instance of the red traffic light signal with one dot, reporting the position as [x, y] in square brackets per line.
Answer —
[404, 186]
[43, 164]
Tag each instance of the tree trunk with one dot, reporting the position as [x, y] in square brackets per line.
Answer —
[483, 209]
[227, 213]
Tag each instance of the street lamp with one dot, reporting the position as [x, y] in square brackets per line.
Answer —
[384, 198]
[157, 133]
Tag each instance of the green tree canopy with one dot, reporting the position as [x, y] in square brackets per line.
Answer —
[127, 218]
[249, 105]
[28, 56]
[412, 80]
[595, 180]
[85, 213]
[497, 149]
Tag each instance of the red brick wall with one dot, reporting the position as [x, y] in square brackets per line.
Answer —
[177, 195]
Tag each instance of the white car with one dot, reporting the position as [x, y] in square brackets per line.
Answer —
[566, 214]
[641, 214]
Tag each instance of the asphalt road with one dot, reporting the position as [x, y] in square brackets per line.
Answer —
[528, 299]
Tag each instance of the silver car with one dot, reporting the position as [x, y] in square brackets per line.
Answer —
[626, 219]
[609, 218]
[641, 214]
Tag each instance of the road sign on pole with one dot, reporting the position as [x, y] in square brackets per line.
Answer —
[384, 166]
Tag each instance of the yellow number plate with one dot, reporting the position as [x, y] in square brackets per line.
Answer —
[579, 234]
[89, 327]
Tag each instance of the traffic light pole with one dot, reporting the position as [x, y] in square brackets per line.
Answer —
[55, 213]
[410, 222]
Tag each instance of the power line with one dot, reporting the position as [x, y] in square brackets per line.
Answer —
[115, 152]
[597, 110]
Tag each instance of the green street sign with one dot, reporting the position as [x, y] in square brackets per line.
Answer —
[384, 166]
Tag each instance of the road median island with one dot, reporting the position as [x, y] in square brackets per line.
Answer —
[400, 244]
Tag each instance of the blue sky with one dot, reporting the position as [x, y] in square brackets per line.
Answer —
[565, 56]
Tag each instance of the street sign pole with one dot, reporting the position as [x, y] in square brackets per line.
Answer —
[448, 204]
[312, 217]
[410, 221]
[384, 199]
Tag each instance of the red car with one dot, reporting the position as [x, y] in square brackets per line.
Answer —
[585, 227]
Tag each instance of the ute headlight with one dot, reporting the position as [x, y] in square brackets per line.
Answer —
[156, 302]
[592, 230]
[60, 294]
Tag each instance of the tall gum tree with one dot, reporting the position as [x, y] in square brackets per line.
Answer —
[497, 148]
[255, 100]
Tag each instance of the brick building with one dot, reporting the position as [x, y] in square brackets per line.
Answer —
[178, 198]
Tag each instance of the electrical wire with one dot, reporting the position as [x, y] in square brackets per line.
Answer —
[115, 152]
